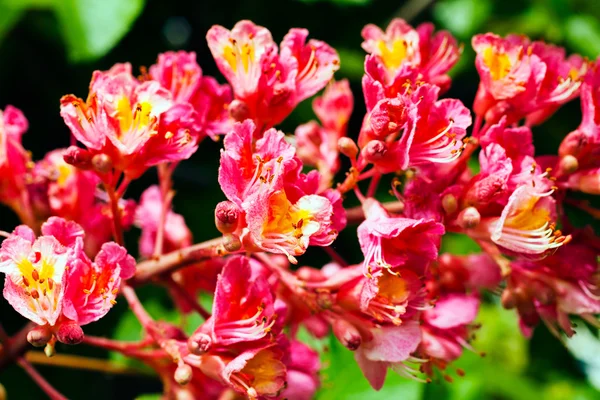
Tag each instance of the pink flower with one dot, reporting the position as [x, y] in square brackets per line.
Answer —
[179, 73]
[51, 276]
[445, 327]
[176, 232]
[520, 78]
[402, 48]
[14, 160]
[389, 346]
[395, 242]
[257, 372]
[318, 145]
[243, 308]
[136, 125]
[268, 86]
[284, 212]
[302, 372]
[35, 275]
[91, 287]
[414, 128]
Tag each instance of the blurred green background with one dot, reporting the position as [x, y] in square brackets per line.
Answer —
[49, 48]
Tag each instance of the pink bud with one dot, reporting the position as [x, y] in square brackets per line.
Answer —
[227, 216]
[102, 163]
[39, 336]
[238, 110]
[183, 374]
[468, 218]
[588, 182]
[347, 147]
[69, 333]
[347, 334]
[374, 151]
[508, 299]
[78, 157]
[573, 144]
[199, 343]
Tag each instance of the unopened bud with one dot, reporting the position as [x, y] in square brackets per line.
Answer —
[183, 374]
[568, 164]
[449, 204]
[199, 343]
[231, 243]
[39, 336]
[347, 334]
[374, 151]
[238, 110]
[310, 274]
[49, 350]
[102, 163]
[347, 147]
[78, 157]
[227, 216]
[69, 333]
[468, 218]
[508, 299]
[574, 144]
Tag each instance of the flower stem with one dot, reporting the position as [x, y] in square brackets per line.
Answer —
[193, 303]
[116, 214]
[169, 262]
[166, 183]
[52, 393]
[79, 362]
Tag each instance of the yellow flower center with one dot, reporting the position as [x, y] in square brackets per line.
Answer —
[234, 55]
[393, 56]
[498, 63]
[132, 118]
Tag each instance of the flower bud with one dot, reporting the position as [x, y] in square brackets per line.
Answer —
[231, 243]
[227, 216]
[324, 299]
[69, 333]
[49, 350]
[508, 299]
[347, 334]
[449, 204]
[39, 336]
[78, 157]
[568, 164]
[102, 163]
[468, 218]
[183, 374]
[374, 151]
[586, 182]
[238, 110]
[347, 147]
[199, 343]
[574, 144]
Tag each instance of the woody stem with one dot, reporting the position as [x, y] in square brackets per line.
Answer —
[170, 262]
[52, 393]
[14, 346]
[116, 345]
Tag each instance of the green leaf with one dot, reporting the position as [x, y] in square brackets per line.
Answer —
[462, 17]
[92, 27]
[459, 244]
[352, 63]
[583, 34]
[151, 396]
[9, 16]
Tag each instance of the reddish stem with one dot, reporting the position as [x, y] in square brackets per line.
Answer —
[356, 215]
[136, 306]
[193, 303]
[52, 393]
[335, 256]
[116, 214]
[373, 185]
[179, 258]
[166, 183]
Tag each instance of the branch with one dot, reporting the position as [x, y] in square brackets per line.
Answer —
[146, 270]
[79, 362]
[13, 347]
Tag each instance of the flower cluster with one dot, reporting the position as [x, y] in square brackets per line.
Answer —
[404, 305]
